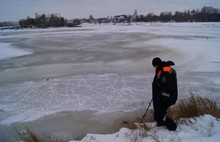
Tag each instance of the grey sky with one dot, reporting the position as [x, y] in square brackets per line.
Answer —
[18, 9]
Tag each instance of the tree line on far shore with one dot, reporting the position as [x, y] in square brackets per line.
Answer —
[205, 14]
[43, 21]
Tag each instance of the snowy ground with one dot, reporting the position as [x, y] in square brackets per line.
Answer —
[101, 68]
[202, 129]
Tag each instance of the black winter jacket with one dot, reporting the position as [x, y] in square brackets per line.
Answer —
[164, 86]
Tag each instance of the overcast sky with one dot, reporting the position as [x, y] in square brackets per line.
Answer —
[13, 10]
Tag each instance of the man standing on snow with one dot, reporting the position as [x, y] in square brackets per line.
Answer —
[164, 91]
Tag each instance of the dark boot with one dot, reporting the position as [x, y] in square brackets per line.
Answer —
[161, 123]
[170, 124]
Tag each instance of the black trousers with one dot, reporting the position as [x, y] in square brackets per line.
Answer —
[160, 111]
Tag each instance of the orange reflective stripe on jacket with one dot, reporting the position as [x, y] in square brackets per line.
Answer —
[165, 69]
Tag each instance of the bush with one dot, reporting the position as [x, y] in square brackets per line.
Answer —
[194, 106]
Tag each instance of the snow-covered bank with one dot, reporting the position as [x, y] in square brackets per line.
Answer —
[201, 129]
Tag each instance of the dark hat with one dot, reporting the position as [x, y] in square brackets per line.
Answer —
[156, 61]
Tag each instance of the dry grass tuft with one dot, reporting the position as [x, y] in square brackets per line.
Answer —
[129, 124]
[29, 136]
[194, 106]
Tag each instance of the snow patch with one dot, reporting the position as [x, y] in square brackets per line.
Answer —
[201, 129]
[8, 51]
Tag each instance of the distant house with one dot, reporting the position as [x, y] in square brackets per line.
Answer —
[84, 21]
[121, 18]
[103, 20]
[73, 23]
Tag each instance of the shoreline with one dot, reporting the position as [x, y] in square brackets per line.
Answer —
[76, 124]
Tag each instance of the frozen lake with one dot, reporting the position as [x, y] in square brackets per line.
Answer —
[101, 68]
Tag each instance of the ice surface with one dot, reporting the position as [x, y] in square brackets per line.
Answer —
[104, 93]
[105, 68]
